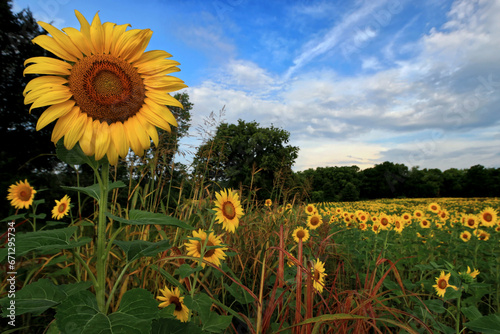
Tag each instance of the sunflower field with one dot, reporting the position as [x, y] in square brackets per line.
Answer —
[151, 256]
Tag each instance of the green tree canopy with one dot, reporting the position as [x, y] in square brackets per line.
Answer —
[248, 155]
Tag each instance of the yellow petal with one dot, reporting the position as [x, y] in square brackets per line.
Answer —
[42, 92]
[54, 112]
[102, 140]
[108, 28]
[50, 44]
[118, 31]
[161, 111]
[87, 142]
[123, 40]
[63, 124]
[156, 66]
[141, 133]
[57, 96]
[44, 81]
[167, 88]
[152, 55]
[163, 98]
[112, 155]
[133, 139]
[79, 39]
[150, 129]
[97, 34]
[46, 69]
[76, 131]
[119, 138]
[84, 26]
[134, 50]
[62, 39]
[155, 118]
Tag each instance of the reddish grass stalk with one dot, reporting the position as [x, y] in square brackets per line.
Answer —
[281, 268]
[298, 288]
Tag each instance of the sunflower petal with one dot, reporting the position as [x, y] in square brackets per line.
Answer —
[108, 28]
[62, 39]
[50, 44]
[87, 141]
[102, 140]
[76, 131]
[119, 138]
[134, 50]
[163, 99]
[58, 96]
[97, 34]
[151, 56]
[54, 112]
[44, 81]
[155, 118]
[134, 141]
[79, 39]
[150, 129]
[63, 124]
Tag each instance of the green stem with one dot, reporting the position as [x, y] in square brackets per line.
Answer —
[101, 260]
[77, 256]
[116, 284]
[457, 324]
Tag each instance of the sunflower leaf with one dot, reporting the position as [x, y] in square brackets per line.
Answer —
[138, 217]
[139, 248]
[80, 314]
[49, 241]
[41, 295]
[174, 326]
[75, 156]
[489, 324]
[94, 190]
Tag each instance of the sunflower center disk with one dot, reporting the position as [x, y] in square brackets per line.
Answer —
[61, 208]
[487, 217]
[442, 284]
[24, 195]
[301, 234]
[175, 300]
[107, 88]
[229, 210]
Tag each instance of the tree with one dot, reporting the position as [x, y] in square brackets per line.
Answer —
[247, 155]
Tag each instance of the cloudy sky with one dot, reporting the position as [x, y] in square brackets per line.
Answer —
[354, 82]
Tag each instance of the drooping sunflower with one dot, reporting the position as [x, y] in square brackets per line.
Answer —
[61, 208]
[465, 236]
[228, 209]
[318, 272]
[442, 284]
[105, 92]
[482, 235]
[314, 221]
[300, 234]
[488, 217]
[212, 255]
[471, 274]
[21, 194]
[181, 311]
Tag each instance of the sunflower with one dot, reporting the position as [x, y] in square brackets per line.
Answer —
[228, 209]
[488, 217]
[268, 202]
[314, 221]
[311, 209]
[213, 253]
[61, 208]
[443, 214]
[300, 234]
[181, 312]
[399, 225]
[471, 221]
[385, 222]
[105, 92]
[318, 272]
[482, 235]
[465, 236]
[418, 214]
[469, 274]
[434, 207]
[442, 284]
[21, 194]
[376, 228]
[424, 223]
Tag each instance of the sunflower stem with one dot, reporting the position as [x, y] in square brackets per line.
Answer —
[101, 238]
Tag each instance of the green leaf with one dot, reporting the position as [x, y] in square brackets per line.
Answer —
[41, 295]
[138, 217]
[75, 156]
[210, 321]
[435, 305]
[241, 295]
[174, 326]
[489, 324]
[48, 241]
[138, 248]
[471, 312]
[11, 218]
[80, 314]
[94, 190]
[186, 270]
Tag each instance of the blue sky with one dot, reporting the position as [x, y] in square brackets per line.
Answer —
[354, 82]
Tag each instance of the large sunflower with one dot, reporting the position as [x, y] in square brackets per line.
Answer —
[213, 253]
[314, 221]
[105, 92]
[181, 312]
[228, 209]
[61, 208]
[442, 284]
[21, 195]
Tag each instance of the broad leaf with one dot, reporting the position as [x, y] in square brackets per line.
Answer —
[210, 321]
[94, 190]
[75, 156]
[174, 326]
[80, 314]
[41, 295]
[489, 324]
[138, 217]
[138, 248]
[48, 241]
